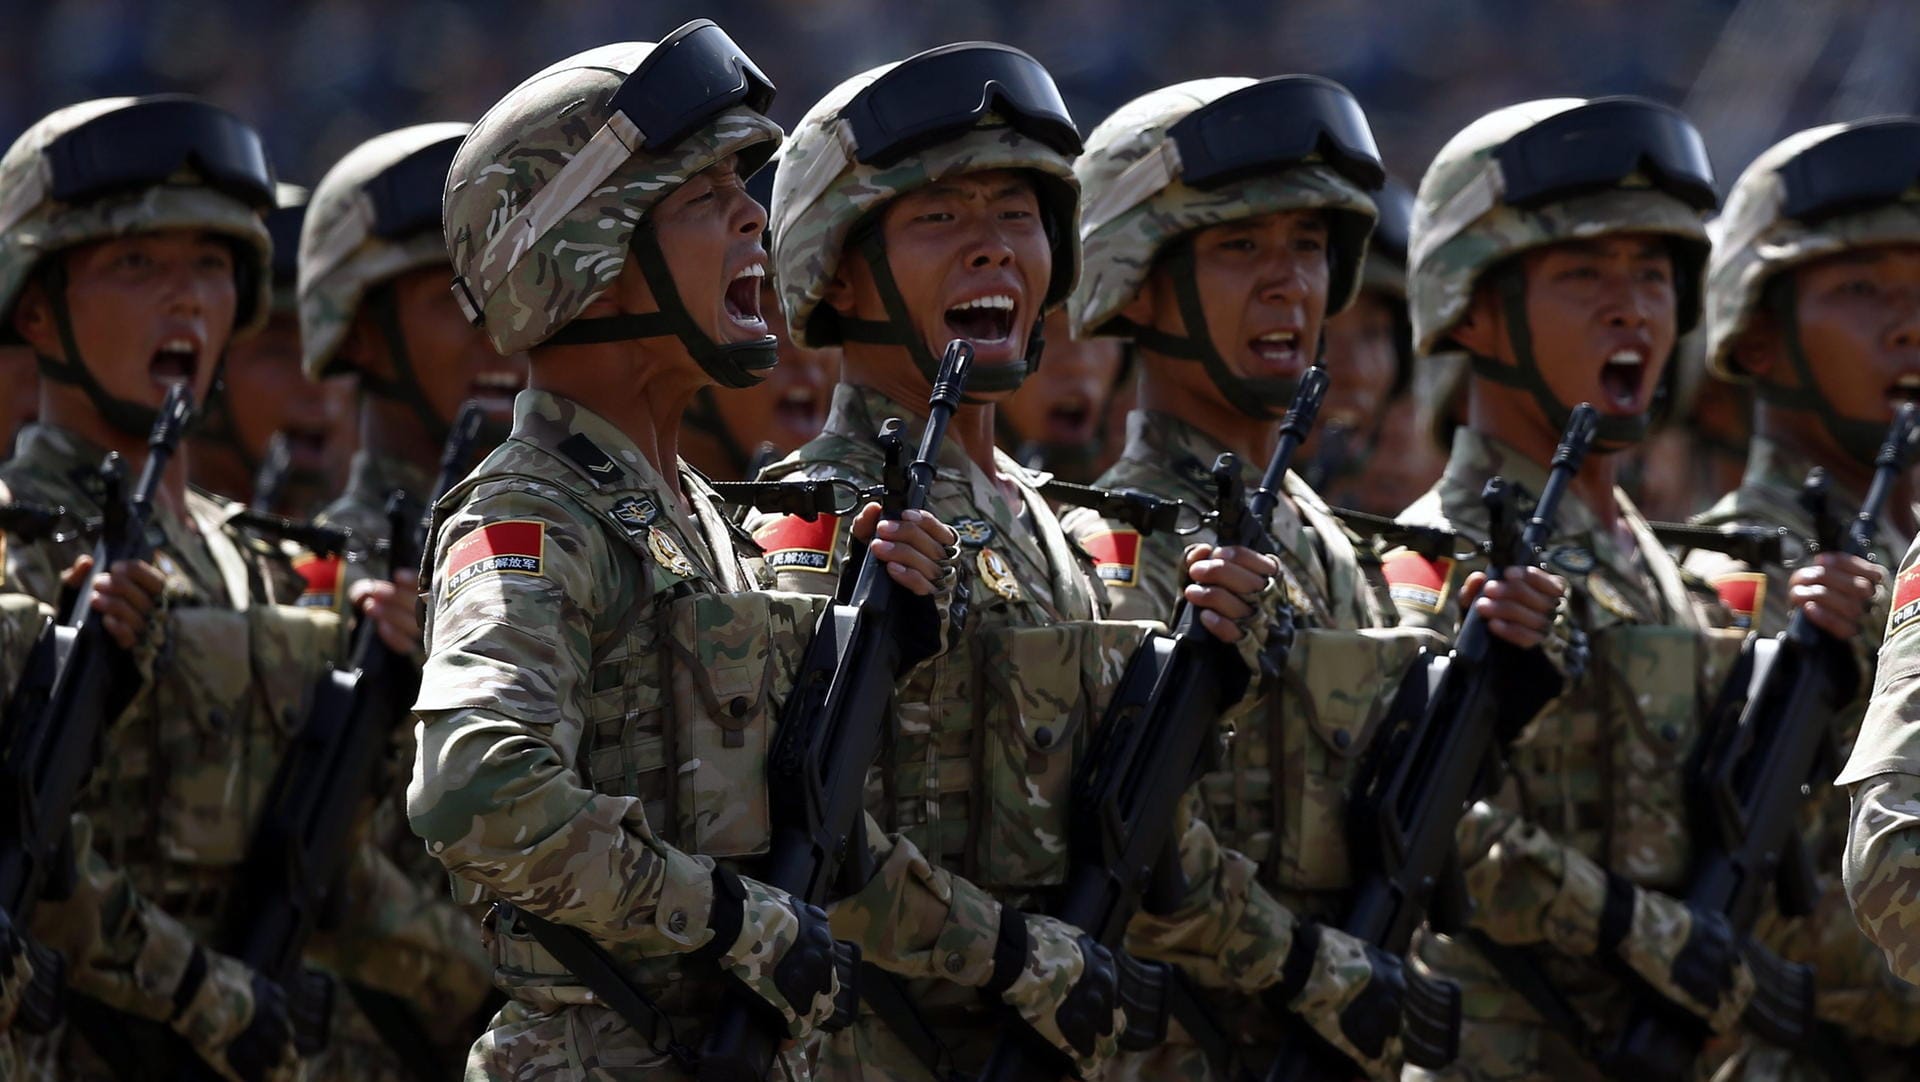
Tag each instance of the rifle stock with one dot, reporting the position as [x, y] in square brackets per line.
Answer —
[1159, 736]
[1769, 735]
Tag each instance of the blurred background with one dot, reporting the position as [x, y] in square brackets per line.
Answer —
[319, 76]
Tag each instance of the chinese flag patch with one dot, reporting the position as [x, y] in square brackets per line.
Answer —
[321, 576]
[794, 544]
[1116, 556]
[1906, 601]
[1415, 581]
[514, 547]
[1743, 593]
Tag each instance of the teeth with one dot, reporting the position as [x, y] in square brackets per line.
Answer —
[1626, 357]
[497, 381]
[1908, 382]
[758, 270]
[1286, 337]
[177, 345]
[998, 300]
[798, 396]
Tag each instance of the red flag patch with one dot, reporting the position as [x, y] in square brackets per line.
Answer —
[1743, 593]
[794, 544]
[514, 547]
[1906, 601]
[1116, 556]
[1415, 581]
[321, 575]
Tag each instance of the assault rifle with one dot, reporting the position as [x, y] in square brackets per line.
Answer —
[1460, 714]
[1770, 734]
[76, 682]
[828, 737]
[304, 839]
[1159, 736]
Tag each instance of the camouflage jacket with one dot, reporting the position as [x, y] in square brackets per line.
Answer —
[1856, 990]
[170, 807]
[362, 508]
[1596, 781]
[972, 788]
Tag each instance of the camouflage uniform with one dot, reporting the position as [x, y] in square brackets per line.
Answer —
[1591, 818]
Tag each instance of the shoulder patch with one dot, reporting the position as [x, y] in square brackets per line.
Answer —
[320, 576]
[513, 547]
[1906, 602]
[794, 544]
[1415, 581]
[600, 466]
[1744, 593]
[1116, 556]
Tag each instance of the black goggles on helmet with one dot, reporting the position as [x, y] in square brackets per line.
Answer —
[1274, 124]
[695, 73]
[1392, 232]
[283, 225]
[1602, 143]
[1877, 162]
[406, 196]
[927, 97]
[144, 144]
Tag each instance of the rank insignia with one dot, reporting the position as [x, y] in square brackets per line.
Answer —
[636, 514]
[668, 554]
[973, 532]
[998, 574]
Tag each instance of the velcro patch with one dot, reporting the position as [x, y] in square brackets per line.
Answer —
[321, 576]
[1415, 581]
[513, 547]
[1116, 556]
[1743, 593]
[794, 544]
[1906, 601]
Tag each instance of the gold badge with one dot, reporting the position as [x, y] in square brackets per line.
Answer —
[998, 575]
[1611, 598]
[668, 553]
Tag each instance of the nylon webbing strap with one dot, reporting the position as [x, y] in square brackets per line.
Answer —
[891, 1002]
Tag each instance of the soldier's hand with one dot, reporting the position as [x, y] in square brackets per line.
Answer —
[394, 608]
[235, 1019]
[1064, 985]
[1518, 607]
[124, 596]
[913, 547]
[783, 951]
[1225, 585]
[1836, 592]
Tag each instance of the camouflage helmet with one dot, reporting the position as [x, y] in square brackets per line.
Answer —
[373, 217]
[117, 167]
[553, 187]
[1546, 172]
[283, 222]
[1816, 193]
[830, 189]
[1137, 202]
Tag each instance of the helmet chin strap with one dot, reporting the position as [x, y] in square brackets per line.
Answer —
[1859, 439]
[1263, 399]
[898, 330]
[1613, 432]
[215, 424]
[732, 364]
[703, 415]
[125, 416]
[405, 386]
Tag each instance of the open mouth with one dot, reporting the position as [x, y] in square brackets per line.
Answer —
[1069, 420]
[982, 319]
[494, 389]
[177, 360]
[306, 447]
[743, 297]
[801, 408]
[1622, 378]
[1277, 349]
[1904, 391]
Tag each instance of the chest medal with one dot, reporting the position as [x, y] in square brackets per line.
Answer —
[1612, 598]
[998, 574]
[668, 553]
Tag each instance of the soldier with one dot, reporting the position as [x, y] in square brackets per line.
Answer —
[912, 209]
[1559, 244]
[374, 305]
[1810, 304]
[730, 435]
[1224, 283]
[262, 372]
[603, 672]
[131, 249]
[1057, 421]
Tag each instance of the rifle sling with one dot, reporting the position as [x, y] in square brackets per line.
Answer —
[593, 967]
[891, 1002]
[1524, 976]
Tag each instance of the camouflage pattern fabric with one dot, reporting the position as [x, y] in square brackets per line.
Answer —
[1594, 782]
[1856, 990]
[973, 786]
[362, 508]
[1120, 243]
[173, 802]
[36, 230]
[596, 708]
[341, 258]
[525, 288]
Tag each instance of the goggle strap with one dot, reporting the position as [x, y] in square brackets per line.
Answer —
[1526, 375]
[898, 330]
[611, 146]
[1136, 184]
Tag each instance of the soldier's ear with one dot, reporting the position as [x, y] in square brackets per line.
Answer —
[33, 319]
[364, 348]
[1482, 328]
